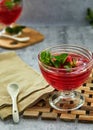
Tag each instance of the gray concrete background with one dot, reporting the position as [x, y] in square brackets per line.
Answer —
[48, 17]
[66, 12]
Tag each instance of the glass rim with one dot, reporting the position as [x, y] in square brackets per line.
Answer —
[72, 46]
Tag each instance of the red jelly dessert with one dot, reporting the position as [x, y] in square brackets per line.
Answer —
[64, 73]
[8, 12]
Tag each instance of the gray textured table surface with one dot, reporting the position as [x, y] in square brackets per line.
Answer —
[55, 11]
[54, 35]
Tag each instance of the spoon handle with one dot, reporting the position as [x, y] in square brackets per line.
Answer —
[24, 39]
[15, 112]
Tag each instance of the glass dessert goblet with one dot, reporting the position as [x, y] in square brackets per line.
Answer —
[66, 68]
[10, 11]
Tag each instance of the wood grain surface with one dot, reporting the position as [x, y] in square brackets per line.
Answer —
[35, 37]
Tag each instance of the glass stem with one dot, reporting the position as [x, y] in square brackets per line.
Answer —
[67, 94]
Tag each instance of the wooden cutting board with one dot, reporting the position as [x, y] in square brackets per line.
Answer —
[35, 37]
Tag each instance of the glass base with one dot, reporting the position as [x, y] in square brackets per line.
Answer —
[66, 101]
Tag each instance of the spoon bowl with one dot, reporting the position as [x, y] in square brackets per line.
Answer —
[13, 90]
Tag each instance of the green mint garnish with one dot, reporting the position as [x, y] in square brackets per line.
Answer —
[46, 57]
[68, 69]
[58, 61]
[89, 16]
[61, 58]
[53, 60]
[11, 4]
[14, 30]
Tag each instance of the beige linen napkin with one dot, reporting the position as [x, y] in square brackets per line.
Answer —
[31, 84]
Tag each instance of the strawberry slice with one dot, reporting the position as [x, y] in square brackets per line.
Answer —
[69, 59]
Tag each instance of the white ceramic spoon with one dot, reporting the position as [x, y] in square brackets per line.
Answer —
[13, 90]
[23, 39]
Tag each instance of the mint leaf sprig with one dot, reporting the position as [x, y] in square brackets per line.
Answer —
[46, 57]
[11, 4]
[14, 30]
[59, 60]
[89, 16]
[62, 60]
[53, 60]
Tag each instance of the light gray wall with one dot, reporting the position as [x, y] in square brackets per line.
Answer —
[55, 11]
